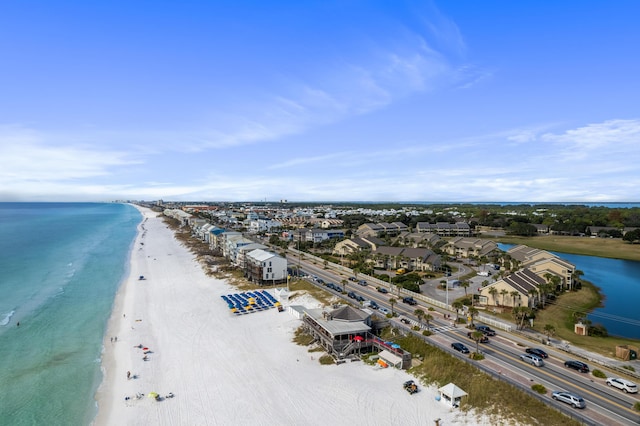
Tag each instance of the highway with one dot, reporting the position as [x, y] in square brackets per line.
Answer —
[605, 405]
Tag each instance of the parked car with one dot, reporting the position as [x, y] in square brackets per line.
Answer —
[537, 352]
[569, 398]
[337, 288]
[360, 298]
[384, 311]
[409, 300]
[532, 359]
[486, 330]
[483, 339]
[382, 290]
[460, 347]
[577, 365]
[351, 295]
[410, 387]
[405, 321]
[625, 385]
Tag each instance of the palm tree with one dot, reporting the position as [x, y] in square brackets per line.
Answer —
[533, 293]
[457, 305]
[549, 330]
[427, 319]
[419, 313]
[473, 312]
[344, 285]
[514, 294]
[503, 293]
[392, 302]
[476, 336]
[465, 284]
[493, 292]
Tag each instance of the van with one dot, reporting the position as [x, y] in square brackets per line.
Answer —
[532, 359]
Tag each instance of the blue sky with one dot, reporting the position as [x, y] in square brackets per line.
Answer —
[320, 101]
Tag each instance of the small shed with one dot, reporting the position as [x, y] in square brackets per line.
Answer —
[390, 359]
[451, 394]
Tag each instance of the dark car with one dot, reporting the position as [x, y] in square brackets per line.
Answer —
[460, 347]
[409, 301]
[362, 283]
[486, 330]
[537, 352]
[360, 298]
[338, 288]
[352, 278]
[331, 286]
[483, 339]
[405, 321]
[383, 290]
[351, 295]
[577, 365]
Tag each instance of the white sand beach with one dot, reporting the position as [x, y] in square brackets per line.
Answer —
[224, 369]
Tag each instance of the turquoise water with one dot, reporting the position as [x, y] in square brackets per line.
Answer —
[60, 267]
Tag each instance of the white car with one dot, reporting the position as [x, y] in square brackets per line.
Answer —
[624, 385]
[384, 311]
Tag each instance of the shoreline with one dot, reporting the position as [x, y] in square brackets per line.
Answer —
[221, 369]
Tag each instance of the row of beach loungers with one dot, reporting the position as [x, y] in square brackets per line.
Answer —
[250, 301]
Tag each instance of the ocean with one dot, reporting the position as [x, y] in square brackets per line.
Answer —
[60, 268]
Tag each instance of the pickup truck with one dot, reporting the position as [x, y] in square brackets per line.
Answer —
[409, 300]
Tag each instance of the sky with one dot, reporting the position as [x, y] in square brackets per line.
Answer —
[332, 100]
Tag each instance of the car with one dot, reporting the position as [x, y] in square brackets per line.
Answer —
[351, 295]
[577, 365]
[532, 359]
[352, 278]
[483, 339]
[384, 311]
[360, 298]
[410, 387]
[382, 290]
[320, 281]
[332, 286]
[537, 352]
[371, 304]
[569, 398]
[405, 321]
[409, 300]
[625, 385]
[486, 330]
[460, 347]
[362, 283]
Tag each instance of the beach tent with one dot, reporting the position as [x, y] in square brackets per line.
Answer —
[451, 394]
[153, 395]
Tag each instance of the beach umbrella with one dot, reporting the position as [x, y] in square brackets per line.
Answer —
[358, 338]
[153, 395]
[395, 346]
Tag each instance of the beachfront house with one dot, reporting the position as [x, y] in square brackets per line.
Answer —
[265, 268]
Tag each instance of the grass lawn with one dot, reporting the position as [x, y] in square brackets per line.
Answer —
[601, 247]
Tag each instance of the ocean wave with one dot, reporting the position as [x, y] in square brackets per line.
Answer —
[7, 318]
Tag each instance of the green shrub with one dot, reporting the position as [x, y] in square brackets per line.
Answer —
[539, 388]
[327, 360]
[599, 374]
[427, 333]
[415, 328]
[636, 406]
[628, 367]
[476, 356]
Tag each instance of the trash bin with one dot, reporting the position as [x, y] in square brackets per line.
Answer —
[633, 354]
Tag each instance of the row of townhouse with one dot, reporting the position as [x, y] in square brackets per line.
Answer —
[408, 258]
[522, 288]
[381, 228]
[258, 265]
[469, 247]
[445, 229]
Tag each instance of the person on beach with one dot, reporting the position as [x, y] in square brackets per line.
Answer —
[128, 375]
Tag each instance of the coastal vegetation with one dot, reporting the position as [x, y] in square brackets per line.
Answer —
[440, 368]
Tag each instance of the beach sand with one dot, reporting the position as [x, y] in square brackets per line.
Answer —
[224, 369]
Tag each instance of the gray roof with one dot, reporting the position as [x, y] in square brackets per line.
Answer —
[348, 324]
